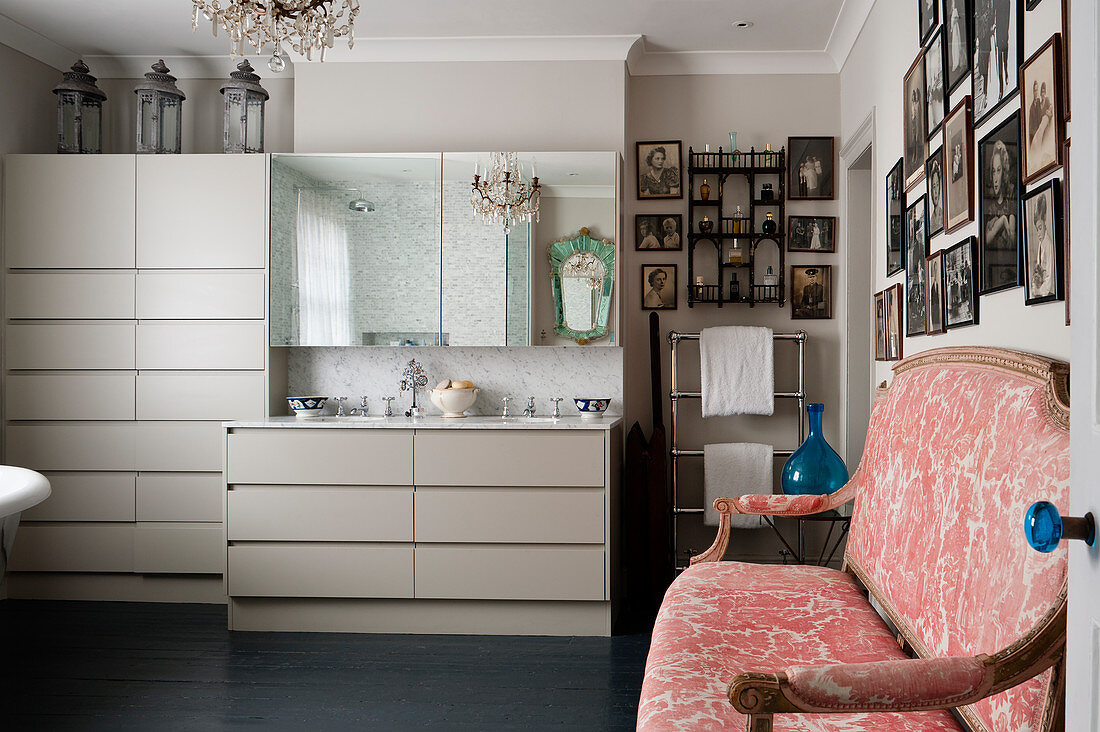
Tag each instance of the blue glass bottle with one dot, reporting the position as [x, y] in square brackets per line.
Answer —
[814, 467]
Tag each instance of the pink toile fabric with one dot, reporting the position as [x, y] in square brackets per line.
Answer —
[885, 684]
[790, 505]
[955, 454]
[722, 618]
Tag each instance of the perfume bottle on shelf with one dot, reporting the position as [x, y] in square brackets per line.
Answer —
[770, 278]
[706, 225]
[770, 160]
[739, 222]
[735, 289]
[704, 190]
[769, 226]
[736, 254]
[767, 193]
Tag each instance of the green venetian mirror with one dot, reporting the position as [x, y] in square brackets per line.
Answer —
[582, 274]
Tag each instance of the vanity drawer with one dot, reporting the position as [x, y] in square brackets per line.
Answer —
[505, 458]
[311, 570]
[212, 395]
[79, 446]
[290, 513]
[320, 456]
[178, 446]
[71, 396]
[524, 515]
[74, 548]
[171, 295]
[86, 497]
[509, 573]
[179, 549]
[104, 346]
[201, 344]
[180, 497]
[85, 295]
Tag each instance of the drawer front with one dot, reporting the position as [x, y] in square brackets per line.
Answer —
[321, 457]
[180, 497]
[71, 396]
[179, 548]
[305, 570]
[88, 446]
[287, 513]
[169, 295]
[509, 573]
[214, 395]
[499, 458]
[97, 228]
[178, 446]
[104, 346]
[85, 295]
[201, 344]
[86, 497]
[172, 188]
[520, 516]
[77, 548]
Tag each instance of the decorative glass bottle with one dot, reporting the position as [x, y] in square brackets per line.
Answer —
[704, 190]
[814, 468]
[769, 226]
[771, 279]
[739, 222]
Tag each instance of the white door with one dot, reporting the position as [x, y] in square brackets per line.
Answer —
[1083, 640]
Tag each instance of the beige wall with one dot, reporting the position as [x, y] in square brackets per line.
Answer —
[872, 79]
[30, 110]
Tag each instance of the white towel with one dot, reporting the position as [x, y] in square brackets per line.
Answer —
[734, 469]
[738, 370]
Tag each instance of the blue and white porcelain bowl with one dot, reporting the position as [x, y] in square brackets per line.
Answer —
[592, 408]
[307, 406]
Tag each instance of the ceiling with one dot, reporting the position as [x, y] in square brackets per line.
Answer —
[682, 28]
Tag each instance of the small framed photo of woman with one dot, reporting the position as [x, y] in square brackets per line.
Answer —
[660, 169]
[659, 287]
[658, 232]
[880, 326]
[960, 286]
[893, 298]
[933, 280]
[1041, 103]
[1043, 263]
[958, 151]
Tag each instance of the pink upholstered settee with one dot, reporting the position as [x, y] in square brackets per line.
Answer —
[964, 440]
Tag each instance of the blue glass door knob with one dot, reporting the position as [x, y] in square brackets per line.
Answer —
[1044, 527]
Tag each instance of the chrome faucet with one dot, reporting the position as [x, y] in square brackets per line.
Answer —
[504, 413]
[557, 407]
[389, 405]
[340, 406]
[413, 379]
[530, 410]
[361, 410]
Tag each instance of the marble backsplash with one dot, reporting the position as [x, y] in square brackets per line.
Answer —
[542, 372]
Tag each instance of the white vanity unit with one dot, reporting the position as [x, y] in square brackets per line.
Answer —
[476, 525]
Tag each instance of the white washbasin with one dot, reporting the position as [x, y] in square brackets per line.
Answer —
[20, 489]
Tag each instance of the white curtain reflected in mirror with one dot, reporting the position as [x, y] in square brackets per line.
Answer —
[324, 279]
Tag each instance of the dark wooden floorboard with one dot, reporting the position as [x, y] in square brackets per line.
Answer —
[130, 666]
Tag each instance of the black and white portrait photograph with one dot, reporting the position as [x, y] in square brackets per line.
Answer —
[811, 292]
[959, 286]
[1041, 107]
[659, 287]
[895, 203]
[916, 250]
[935, 93]
[1043, 279]
[956, 39]
[999, 189]
[810, 168]
[659, 170]
[998, 38]
[893, 323]
[811, 234]
[928, 17]
[658, 232]
[880, 326]
[958, 151]
[934, 176]
[933, 282]
[916, 124]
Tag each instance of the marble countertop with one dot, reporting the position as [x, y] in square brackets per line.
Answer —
[434, 422]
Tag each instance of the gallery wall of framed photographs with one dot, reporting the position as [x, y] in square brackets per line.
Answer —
[976, 208]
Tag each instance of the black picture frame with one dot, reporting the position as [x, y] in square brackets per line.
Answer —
[1050, 285]
[1008, 57]
[819, 152]
[895, 207]
[1032, 4]
[800, 236]
[928, 18]
[671, 282]
[936, 97]
[999, 212]
[933, 173]
[960, 287]
[811, 300]
[656, 226]
[916, 251]
[647, 186]
[958, 47]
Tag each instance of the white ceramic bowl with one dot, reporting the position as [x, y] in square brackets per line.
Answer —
[591, 408]
[307, 406]
[454, 402]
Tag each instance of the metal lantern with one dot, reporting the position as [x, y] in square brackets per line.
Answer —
[244, 111]
[159, 112]
[79, 112]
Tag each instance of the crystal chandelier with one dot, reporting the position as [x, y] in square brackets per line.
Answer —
[303, 25]
[504, 196]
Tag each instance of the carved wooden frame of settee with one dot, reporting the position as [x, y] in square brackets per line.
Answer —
[761, 695]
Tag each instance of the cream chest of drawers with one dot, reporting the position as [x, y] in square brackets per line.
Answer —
[428, 527]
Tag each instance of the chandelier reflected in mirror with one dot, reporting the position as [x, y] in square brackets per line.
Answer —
[304, 26]
[502, 195]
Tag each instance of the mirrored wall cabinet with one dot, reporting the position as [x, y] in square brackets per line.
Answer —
[385, 250]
